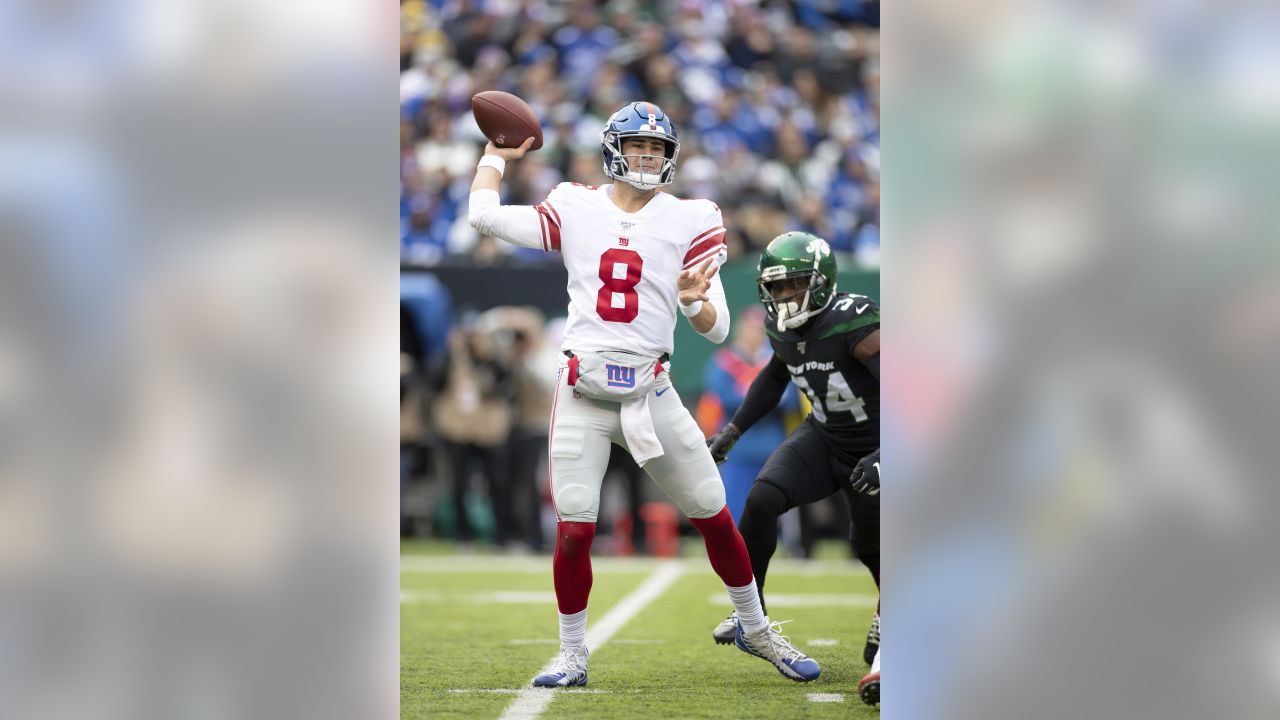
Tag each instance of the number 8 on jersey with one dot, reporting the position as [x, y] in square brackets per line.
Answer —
[630, 264]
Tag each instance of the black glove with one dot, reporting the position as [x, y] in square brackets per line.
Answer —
[866, 476]
[722, 442]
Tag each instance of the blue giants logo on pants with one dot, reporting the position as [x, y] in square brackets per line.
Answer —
[620, 376]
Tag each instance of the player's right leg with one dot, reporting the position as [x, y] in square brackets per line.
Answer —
[579, 454]
[687, 475]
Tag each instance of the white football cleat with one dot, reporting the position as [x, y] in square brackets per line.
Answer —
[772, 645]
[569, 670]
[727, 630]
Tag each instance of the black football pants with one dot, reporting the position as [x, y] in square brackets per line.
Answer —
[801, 471]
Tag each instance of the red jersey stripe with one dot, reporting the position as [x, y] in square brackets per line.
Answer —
[706, 234]
[555, 216]
[700, 250]
[550, 230]
[555, 235]
[698, 260]
[542, 223]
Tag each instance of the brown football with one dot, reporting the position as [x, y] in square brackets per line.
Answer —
[506, 119]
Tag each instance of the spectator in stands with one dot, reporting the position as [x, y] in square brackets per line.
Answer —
[472, 414]
[519, 331]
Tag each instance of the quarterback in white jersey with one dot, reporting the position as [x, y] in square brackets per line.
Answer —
[635, 257]
[623, 266]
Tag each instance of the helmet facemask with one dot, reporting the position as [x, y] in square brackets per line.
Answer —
[793, 309]
[620, 167]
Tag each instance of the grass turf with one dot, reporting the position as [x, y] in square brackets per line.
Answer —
[461, 613]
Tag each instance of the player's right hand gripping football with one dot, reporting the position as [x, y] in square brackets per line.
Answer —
[508, 154]
[722, 442]
[866, 476]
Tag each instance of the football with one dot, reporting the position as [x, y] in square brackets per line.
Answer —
[506, 119]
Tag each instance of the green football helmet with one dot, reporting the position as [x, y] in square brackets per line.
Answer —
[801, 260]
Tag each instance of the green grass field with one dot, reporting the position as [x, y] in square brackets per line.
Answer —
[474, 629]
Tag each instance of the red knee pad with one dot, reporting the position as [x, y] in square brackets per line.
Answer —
[571, 565]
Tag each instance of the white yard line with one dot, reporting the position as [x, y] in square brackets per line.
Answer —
[530, 702]
[822, 642]
[825, 697]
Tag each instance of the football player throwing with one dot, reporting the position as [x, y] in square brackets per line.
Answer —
[637, 258]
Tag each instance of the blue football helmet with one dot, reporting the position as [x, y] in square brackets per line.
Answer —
[639, 119]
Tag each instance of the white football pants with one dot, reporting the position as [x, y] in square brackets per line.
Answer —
[582, 430]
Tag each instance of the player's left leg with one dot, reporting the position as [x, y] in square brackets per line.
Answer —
[864, 513]
[687, 474]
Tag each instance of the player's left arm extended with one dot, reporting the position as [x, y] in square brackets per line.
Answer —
[867, 352]
[701, 290]
[713, 322]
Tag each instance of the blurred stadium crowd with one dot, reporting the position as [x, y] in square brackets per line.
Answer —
[777, 105]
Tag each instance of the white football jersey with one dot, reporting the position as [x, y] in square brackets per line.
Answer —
[623, 266]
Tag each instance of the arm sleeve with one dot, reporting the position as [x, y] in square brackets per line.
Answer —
[531, 226]
[715, 294]
[765, 392]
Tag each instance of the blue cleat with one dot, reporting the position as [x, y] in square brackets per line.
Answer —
[569, 670]
[770, 644]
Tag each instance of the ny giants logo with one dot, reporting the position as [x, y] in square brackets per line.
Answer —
[623, 241]
[620, 376]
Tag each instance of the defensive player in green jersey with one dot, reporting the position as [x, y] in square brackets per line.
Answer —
[828, 344]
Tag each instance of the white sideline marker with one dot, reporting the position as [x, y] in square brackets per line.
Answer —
[530, 701]
[823, 642]
[826, 697]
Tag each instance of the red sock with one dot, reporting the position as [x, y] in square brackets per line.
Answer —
[725, 548]
[571, 565]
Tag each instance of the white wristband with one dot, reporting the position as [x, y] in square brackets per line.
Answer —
[691, 310]
[493, 161]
